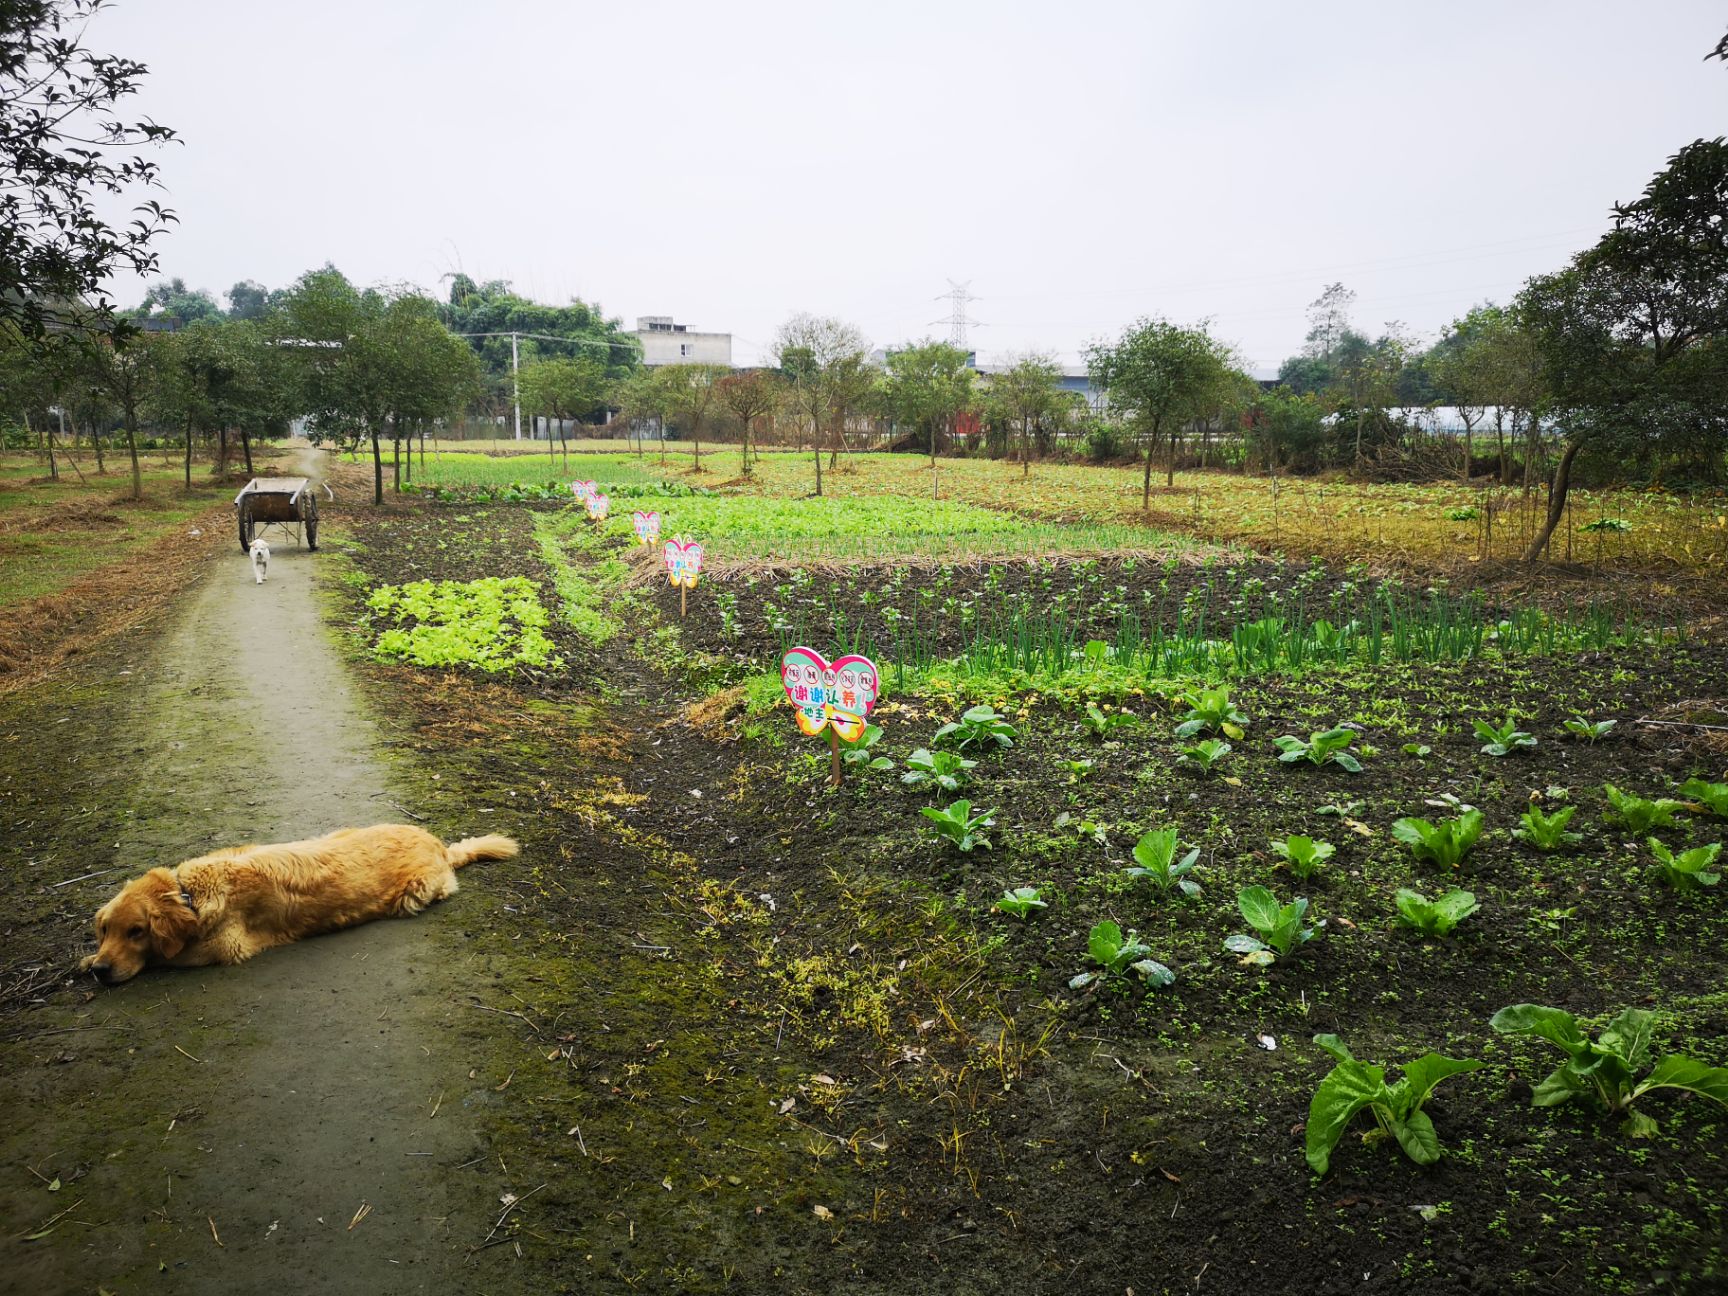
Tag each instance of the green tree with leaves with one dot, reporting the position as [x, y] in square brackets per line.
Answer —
[565, 389]
[1028, 391]
[1633, 336]
[1159, 376]
[65, 151]
[687, 395]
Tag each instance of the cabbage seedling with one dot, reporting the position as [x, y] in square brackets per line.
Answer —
[1303, 855]
[1503, 739]
[1638, 814]
[1690, 870]
[857, 751]
[945, 771]
[1155, 858]
[1319, 748]
[1351, 1086]
[1021, 901]
[1588, 730]
[1434, 917]
[1547, 832]
[1103, 724]
[1117, 954]
[1279, 926]
[1712, 796]
[979, 724]
[1210, 710]
[1445, 843]
[1204, 755]
[958, 825]
[1603, 1072]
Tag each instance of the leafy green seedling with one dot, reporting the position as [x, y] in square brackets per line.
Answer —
[1601, 525]
[1712, 796]
[1102, 723]
[1118, 955]
[1077, 770]
[1639, 815]
[1589, 730]
[1021, 901]
[1604, 1072]
[1083, 826]
[1547, 832]
[945, 771]
[1279, 926]
[1303, 855]
[1204, 755]
[1211, 711]
[958, 825]
[1434, 917]
[1418, 750]
[980, 724]
[1340, 809]
[857, 751]
[1445, 843]
[1155, 859]
[1690, 870]
[1351, 1086]
[1319, 748]
[1504, 739]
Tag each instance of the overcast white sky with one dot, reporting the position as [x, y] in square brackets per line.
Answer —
[1081, 164]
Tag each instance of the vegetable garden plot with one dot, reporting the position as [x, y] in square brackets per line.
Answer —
[1174, 1082]
[1155, 617]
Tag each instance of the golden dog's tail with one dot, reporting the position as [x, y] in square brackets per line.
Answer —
[491, 846]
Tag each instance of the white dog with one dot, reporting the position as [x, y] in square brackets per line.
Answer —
[260, 559]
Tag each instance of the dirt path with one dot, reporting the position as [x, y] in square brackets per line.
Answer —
[265, 1105]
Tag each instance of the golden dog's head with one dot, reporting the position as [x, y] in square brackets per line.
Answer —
[147, 922]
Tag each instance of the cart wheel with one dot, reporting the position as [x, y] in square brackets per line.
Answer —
[311, 521]
[246, 528]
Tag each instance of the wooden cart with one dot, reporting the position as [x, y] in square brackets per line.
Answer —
[286, 501]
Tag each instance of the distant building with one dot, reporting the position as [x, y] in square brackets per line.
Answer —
[1069, 378]
[666, 343]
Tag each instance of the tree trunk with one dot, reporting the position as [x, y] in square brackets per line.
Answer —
[96, 444]
[188, 454]
[1170, 468]
[1468, 452]
[53, 463]
[1556, 502]
[246, 448]
[1500, 439]
[816, 441]
[1146, 486]
[131, 413]
[1361, 419]
[395, 458]
[377, 470]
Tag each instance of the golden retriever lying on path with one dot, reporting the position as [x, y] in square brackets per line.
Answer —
[229, 905]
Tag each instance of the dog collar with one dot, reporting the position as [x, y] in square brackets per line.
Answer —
[186, 898]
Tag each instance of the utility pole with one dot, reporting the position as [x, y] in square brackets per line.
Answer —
[516, 361]
[516, 384]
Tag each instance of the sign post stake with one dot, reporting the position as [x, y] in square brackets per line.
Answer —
[834, 750]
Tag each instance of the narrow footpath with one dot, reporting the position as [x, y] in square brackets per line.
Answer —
[289, 1126]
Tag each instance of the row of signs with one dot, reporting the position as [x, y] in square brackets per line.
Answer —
[837, 696]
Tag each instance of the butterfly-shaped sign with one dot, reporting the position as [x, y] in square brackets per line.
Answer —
[823, 694]
[583, 490]
[683, 561]
[599, 506]
[647, 526]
